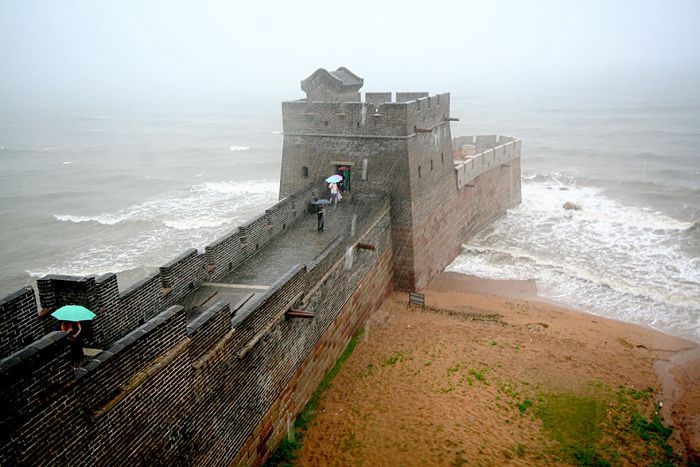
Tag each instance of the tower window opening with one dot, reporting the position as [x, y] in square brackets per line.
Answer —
[442, 156]
[305, 172]
[431, 165]
[419, 175]
[326, 123]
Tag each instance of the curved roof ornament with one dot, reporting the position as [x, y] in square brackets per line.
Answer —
[339, 81]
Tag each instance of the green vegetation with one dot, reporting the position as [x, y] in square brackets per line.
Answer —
[524, 405]
[395, 358]
[479, 375]
[590, 426]
[288, 449]
[575, 422]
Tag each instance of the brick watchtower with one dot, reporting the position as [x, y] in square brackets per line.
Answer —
[403, 148]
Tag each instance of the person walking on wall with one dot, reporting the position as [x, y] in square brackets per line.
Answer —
[335, 194]
[320, 217]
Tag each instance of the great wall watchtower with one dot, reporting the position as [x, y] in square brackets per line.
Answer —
[402, 148]
[207, 359]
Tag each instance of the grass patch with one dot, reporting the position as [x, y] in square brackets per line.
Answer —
[395, 358]
[288, 450]
[479, 375]
[574, 421]
[524, 405]
[603, 426]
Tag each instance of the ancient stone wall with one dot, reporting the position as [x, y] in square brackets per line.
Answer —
[453, 219]
[19, 321]
[168, 392]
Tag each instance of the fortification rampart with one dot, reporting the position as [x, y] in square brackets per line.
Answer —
[475, 155]
[169, 384]
[122, 311]
[171, 391]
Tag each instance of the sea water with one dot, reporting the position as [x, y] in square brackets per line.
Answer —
[95, 188]
[631, 162]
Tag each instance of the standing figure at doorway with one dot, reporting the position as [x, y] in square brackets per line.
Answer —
[335, 194]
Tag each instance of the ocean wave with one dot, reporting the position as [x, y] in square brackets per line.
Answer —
[570, 270]
[192, 208]
[545, 194]
[238, 148]
[104, 219]
[626, 262]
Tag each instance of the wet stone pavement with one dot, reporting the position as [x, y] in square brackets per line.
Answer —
[298, 245]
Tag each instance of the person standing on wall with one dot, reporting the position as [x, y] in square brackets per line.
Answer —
[320, 213]
[73, 329]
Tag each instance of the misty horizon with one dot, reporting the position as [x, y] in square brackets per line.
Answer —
[185, 51]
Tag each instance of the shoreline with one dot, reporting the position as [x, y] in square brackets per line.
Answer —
[522, 290]
[668, 369]
[403, 394]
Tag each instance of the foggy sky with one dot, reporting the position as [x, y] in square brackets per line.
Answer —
[203, 48]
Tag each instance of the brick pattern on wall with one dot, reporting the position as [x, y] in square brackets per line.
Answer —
[167, 392]
[19, 321]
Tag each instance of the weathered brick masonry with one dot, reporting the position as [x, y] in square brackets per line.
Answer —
[220, 385]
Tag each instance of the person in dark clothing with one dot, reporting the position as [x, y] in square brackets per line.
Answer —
[76, 347]
[320, 218]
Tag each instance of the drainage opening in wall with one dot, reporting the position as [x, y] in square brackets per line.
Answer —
[257, 245]
[230, 266]
[191, 285]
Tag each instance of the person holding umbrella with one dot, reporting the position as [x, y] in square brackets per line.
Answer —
[333, 186]
[320, 211]
[70, 317]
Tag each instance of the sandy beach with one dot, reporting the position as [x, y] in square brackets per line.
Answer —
[489, 374]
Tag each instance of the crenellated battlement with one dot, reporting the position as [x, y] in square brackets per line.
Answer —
[475, 155]
[181, 356]
[377, 117]
[121, 311]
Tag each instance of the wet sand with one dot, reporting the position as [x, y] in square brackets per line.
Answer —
[442, 386]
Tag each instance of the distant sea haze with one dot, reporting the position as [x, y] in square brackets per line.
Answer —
[88, 190]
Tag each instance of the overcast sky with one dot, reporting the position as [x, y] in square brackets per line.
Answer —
[198, 48]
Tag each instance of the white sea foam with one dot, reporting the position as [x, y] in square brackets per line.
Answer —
[67, 163]
[238, 148]
[619, 261]
[153, 230]
[276, 132]
[104, 219]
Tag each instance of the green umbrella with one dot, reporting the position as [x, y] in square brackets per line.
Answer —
[73, 313]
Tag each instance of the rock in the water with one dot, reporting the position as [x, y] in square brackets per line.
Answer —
[571, 206]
